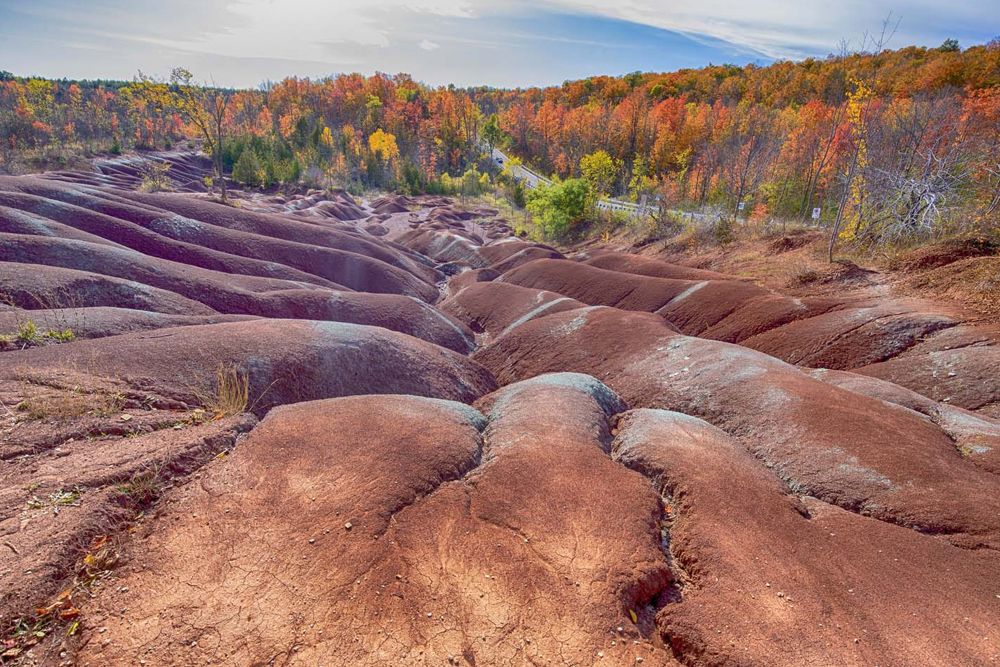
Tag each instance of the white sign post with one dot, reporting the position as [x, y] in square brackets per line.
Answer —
[816, 213]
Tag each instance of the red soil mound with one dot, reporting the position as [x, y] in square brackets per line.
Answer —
[390, 204]
[766, 313]
[849, 338]
[101, 321]
[724, 507]
[81, 460]
[36, 286]
[647, 266]
[774, 579]
[469, 277]
[792, 241]
[524, 256]
[939, 254]
[965, 376]
[597, 287]
[976, 436]
[329, 205]
[186, 170]
[440, 556]
[494, 308]
[444, 246]
[835, 332]
[706, 303]
[233, 293]
[692, 306]
[285, 361]
[835, 445]
[221, 237]
[509, 252]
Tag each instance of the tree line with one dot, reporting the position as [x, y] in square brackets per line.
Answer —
[884, 144]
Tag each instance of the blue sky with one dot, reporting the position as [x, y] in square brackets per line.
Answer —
[466, 42]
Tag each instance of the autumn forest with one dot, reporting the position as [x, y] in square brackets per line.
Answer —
[884, 146]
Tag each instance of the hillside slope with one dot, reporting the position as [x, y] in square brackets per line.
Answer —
[312, 429]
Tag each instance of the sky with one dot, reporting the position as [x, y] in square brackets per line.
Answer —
[510, 43]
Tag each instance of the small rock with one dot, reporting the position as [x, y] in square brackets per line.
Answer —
[348, 525]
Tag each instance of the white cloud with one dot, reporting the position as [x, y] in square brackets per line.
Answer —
[304, 29]
[241, 41]
[782, 29]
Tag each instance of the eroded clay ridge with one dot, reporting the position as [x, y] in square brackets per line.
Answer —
[460, 447]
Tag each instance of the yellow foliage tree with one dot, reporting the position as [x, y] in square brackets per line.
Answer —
[383, 145]
[856, 103]
[326, 138]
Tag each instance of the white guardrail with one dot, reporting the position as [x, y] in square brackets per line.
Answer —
[533, 179]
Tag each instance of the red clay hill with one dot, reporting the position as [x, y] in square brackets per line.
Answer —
[311, 429]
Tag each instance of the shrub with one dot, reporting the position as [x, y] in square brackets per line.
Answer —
[473, 183]
[154, 177]
[411, 180]
[558, 207]
[248, 169]
[27, 332]
[515, 192]
[723, 230]
[600, 171]
[60, 336]
[274, 155]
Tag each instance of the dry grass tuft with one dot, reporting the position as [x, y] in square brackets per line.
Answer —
[141, 489]
[59, 404]
[231, 394]
[804, 275]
